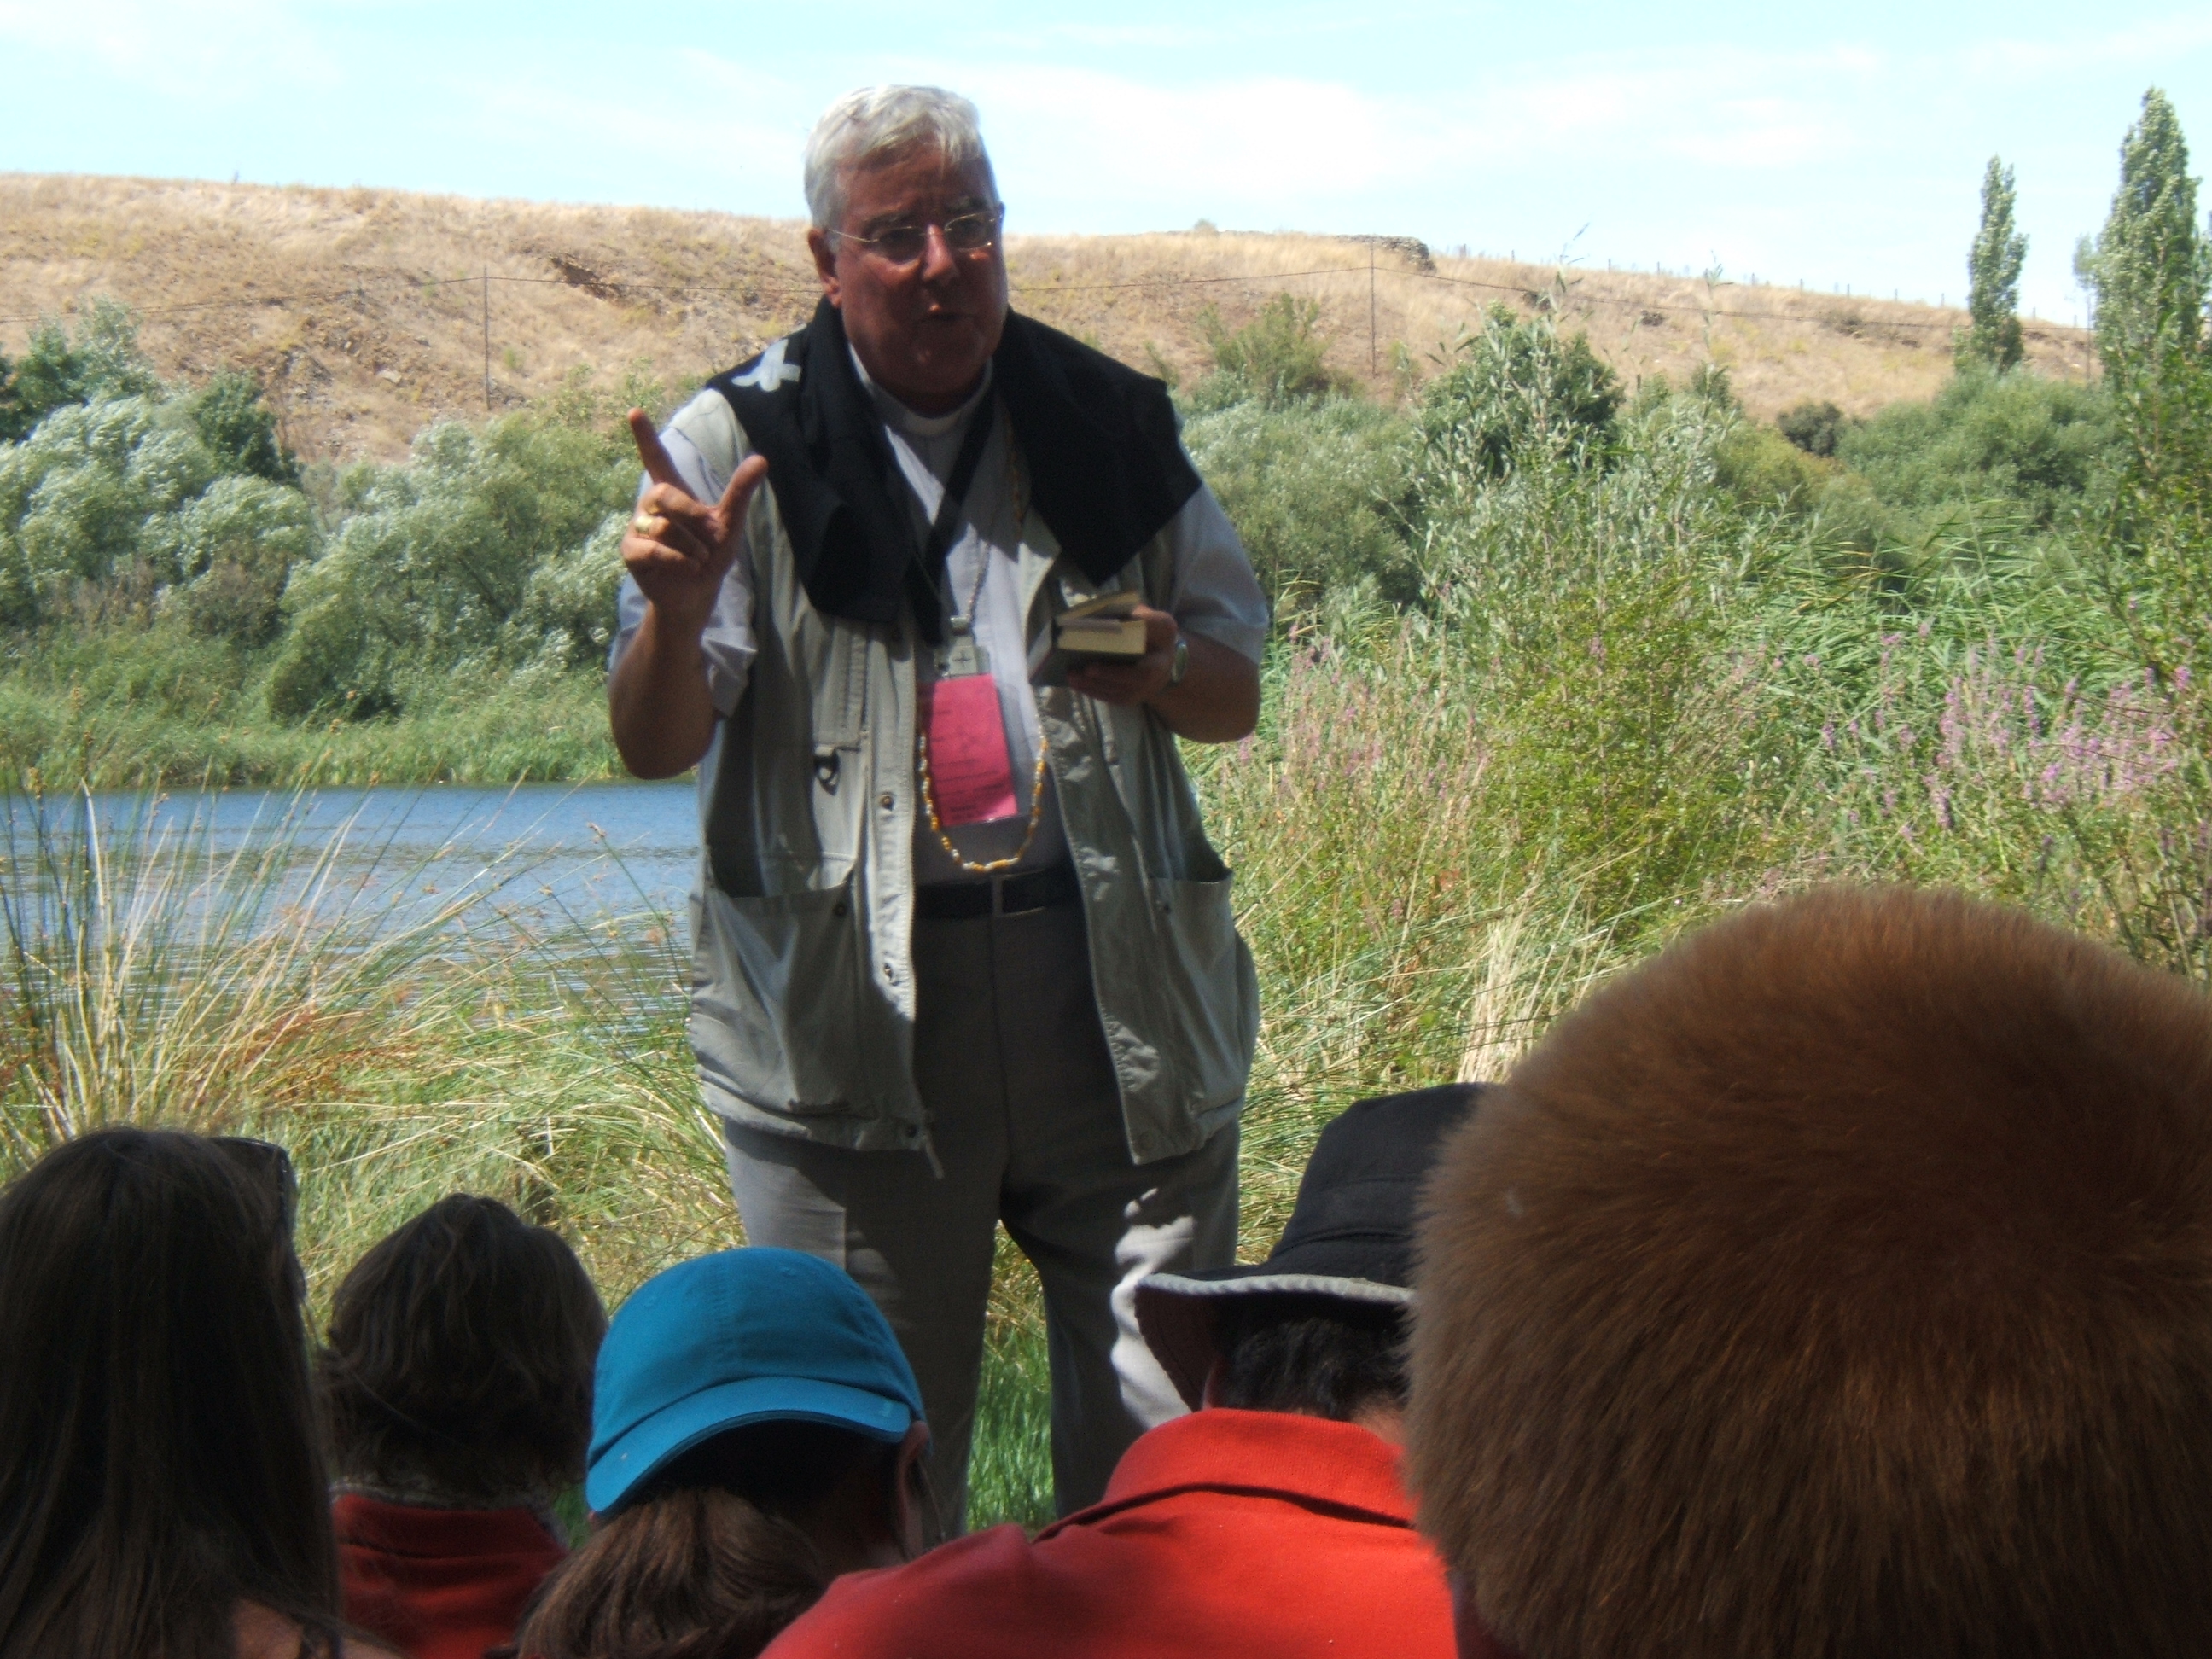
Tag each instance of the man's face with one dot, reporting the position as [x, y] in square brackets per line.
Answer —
[923, 329]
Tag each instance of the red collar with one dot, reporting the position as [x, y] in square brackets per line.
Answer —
[416, 1530]
[1307, 1460]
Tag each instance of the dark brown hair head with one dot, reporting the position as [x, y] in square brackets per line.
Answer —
[713, 1558]
[159, 1461]
[1839, 1284]
[696, 1573]
[461, 1358]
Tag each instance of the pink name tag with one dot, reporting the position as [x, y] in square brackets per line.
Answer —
[970, 773]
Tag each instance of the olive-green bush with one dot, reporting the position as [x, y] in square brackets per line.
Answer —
[440, 561]
[2020, 438]
[1318, 492]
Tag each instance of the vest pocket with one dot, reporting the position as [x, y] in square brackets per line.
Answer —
[778, 1005]
[1220, 989]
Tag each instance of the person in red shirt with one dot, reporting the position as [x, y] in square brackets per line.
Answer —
[1271, 1521]
[458, 1382]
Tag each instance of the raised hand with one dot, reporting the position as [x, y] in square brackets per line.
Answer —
[677, 547]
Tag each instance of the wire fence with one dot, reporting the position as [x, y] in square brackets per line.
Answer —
[753, 291]
[1561, 294]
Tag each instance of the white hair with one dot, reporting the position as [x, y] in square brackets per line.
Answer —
[881, 121]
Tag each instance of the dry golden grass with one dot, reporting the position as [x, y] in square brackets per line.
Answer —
[363, 311]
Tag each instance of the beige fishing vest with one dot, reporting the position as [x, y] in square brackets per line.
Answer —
[803, 994]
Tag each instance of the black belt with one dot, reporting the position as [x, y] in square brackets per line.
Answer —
[1033, 890]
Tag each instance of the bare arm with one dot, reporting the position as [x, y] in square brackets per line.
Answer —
[679, 550]
[1218, 701]
[657, 701]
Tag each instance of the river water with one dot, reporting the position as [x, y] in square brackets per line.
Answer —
[540, 859]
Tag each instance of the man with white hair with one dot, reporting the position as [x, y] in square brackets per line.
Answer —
[963, 952]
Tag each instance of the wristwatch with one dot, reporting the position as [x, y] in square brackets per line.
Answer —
[1181, 662]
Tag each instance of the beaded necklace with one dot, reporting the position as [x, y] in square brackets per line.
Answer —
[921, 745]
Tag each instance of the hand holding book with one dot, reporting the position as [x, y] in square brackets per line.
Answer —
[1125, 679]
[1113, 629]
[1205, 692]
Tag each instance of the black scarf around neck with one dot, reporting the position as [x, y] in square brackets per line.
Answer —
[1107, 470]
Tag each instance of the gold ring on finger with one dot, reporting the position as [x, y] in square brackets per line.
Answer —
[648, 526]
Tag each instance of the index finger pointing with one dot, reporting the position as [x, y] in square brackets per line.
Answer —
[658, 466]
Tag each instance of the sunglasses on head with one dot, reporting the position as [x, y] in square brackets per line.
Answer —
[270, 1165]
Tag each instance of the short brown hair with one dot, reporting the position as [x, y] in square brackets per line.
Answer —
[460, 1356]
[1839, 1282]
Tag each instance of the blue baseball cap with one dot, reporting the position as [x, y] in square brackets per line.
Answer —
[739, 1337]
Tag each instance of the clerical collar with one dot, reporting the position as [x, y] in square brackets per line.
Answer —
[911, 422]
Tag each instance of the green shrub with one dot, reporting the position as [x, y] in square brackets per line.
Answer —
[568, 611]
[77, 496]
[1815, 427]
[103, 362]
[240, 431]
[1596, 600]
[1280, 356]
[123, 484]
[1316, 491]
[2018, 438]
[1516, 390]
[437, 558]
[231, 550]
[1761, 468]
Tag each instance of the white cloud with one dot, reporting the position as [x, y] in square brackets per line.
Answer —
[194, 50]
[2152, 45]
[1266, 139]
[1265, 146]
[706, 132]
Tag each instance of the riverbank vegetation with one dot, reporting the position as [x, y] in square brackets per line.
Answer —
[1561, 665]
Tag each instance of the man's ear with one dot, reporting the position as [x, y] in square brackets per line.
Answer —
[911, 1526]
[824, 247]
[1216, 1375]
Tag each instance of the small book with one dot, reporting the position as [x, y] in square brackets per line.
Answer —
[1097, 630]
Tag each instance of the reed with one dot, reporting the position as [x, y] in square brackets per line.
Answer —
[275, 986]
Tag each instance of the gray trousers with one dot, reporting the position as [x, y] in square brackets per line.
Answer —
[1026, 1122]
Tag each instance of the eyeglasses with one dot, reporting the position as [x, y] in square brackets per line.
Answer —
[902, 245]
[270, 1165]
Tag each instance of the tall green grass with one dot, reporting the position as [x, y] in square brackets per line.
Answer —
[155, 976]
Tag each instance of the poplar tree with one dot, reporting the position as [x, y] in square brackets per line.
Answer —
[1991, 340]
[2151, 275]
[2151, 272]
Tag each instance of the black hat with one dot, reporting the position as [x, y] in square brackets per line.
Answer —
[1350, 1233]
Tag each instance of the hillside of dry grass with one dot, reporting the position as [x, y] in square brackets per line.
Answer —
[368, 313]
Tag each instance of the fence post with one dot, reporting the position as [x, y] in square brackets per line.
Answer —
[1371, 309]
[487, 323]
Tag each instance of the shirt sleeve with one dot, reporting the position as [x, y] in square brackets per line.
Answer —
[1212, 589]
[705, 443]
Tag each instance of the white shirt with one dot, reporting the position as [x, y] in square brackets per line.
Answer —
[1213, 592]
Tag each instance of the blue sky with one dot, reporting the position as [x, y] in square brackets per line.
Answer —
[1830, 144]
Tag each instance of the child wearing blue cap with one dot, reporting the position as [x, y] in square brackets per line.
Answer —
[756, 1433]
